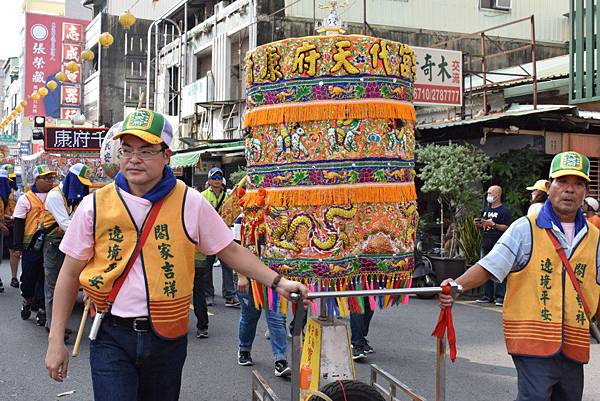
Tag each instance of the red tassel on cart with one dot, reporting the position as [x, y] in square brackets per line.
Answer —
[445, 322]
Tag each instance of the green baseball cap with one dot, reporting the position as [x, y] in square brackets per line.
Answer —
[148, 125]
[41, 170]
[10, 169]
[82, 172]
[570, 163]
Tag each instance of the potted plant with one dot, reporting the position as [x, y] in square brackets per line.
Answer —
[454, 173]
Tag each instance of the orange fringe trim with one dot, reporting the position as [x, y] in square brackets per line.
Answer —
[334, 195]
[329, 110]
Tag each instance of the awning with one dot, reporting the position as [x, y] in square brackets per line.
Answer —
[189, 159]
[185, 159]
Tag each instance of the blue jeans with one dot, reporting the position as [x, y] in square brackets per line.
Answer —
[249, 319]
[129, 366]
[493, 290]
[359, 325]
[555, 378]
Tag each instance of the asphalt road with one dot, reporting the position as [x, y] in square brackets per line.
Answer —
[401, 338]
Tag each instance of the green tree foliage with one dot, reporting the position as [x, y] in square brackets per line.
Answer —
[514, 171]
[455, 173]
[236, 177]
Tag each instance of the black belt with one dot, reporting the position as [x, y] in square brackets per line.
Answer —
[139, 324]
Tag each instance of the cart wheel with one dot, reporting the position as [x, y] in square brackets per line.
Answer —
[421, 282]
[349, 390]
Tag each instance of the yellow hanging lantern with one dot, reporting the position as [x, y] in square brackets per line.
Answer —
[52, 85]
[19, 109]
[23, 103]
[61, 77]
[127, 20]
[35, 96]
[106, 39]
[87, 55]
[72, 66]
[42, 92]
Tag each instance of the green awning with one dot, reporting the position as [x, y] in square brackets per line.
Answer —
[185, 159]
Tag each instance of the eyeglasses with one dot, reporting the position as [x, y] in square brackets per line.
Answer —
[144, 154]
[47, 177]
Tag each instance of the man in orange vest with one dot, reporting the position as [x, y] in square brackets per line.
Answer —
[550, 261]
[28, 242]
[140, 346]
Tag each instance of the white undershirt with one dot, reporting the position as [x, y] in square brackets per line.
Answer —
[569, 231]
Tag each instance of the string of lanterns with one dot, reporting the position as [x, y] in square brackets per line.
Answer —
[126, 20]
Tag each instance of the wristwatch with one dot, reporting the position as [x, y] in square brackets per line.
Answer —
[276, 281]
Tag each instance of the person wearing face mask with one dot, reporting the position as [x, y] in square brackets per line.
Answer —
[495, 219]
[539, 194]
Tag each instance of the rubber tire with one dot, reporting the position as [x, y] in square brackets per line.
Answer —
[422, 282]
[353, 390]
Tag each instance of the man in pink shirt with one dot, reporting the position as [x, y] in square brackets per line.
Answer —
[141, 345]
[28, 240]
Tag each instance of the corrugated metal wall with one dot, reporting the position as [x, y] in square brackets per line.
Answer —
[462, 16]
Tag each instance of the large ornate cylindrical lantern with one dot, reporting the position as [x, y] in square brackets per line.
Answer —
[330, 198]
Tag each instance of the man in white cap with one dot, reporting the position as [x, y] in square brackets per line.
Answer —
[61, 203]
[550, 262]
[28, 239]
[131, 245]
[590, 208]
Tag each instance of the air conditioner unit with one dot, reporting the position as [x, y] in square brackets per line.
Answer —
[185, 130]
[503, 4]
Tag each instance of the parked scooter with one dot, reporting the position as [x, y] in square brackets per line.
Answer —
[423, 274]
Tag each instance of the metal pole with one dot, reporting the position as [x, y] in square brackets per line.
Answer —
[364, 17]
[297, 351]
[533, 63]
[483, 69]
[156, 33]
[148, 61]
[440, 370]
[378, 292]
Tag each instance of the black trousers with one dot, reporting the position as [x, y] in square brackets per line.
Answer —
[199, 300]
[32, 278]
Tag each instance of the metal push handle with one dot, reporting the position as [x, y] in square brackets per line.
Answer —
[440, 380]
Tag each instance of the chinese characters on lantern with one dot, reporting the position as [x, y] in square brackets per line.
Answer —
[436, 73]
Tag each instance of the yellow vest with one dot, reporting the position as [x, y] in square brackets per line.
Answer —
[538, 319]
[212, 198]
[34, 218]
[167, 258]
[56, 234]
[9, 208]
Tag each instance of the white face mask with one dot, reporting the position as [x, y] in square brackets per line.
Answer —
[490, 199]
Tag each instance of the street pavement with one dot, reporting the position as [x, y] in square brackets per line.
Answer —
[401, 338]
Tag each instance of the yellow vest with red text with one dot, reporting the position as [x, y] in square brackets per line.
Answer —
[542, 312]
[167, 258]
[33, 219]
[52, 230]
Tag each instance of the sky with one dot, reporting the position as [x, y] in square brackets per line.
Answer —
[11, 21]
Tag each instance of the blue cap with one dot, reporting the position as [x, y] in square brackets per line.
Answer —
[215, 172]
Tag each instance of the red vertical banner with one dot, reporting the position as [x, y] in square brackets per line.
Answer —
[51, 42]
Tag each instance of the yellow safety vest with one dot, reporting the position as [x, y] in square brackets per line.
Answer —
[542, 312]
[212, 198]
[167, 258]
[33, 219]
